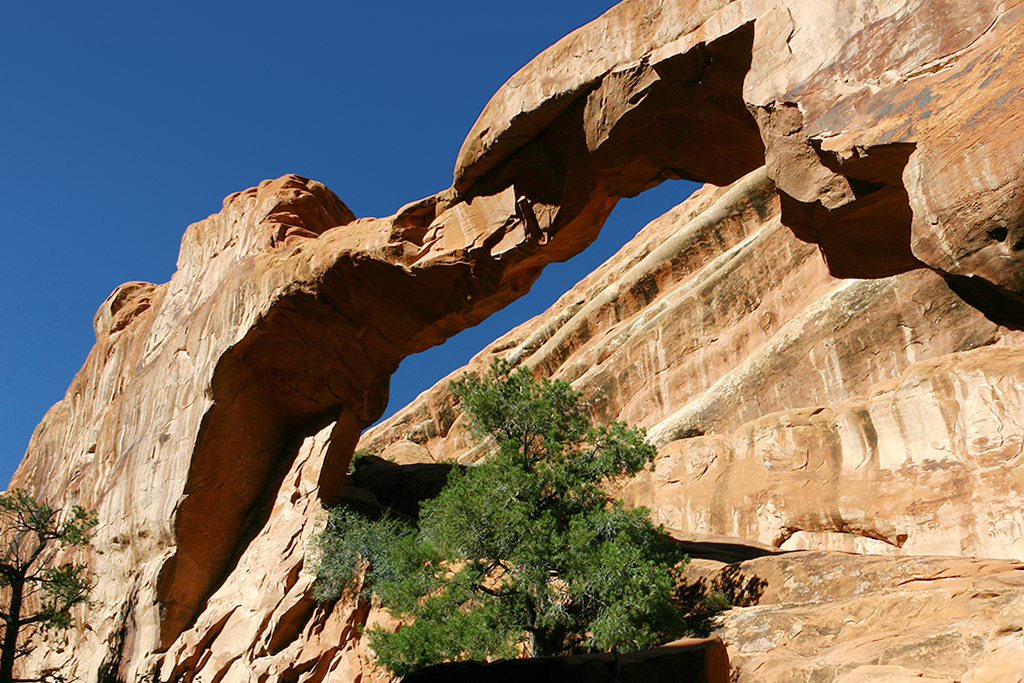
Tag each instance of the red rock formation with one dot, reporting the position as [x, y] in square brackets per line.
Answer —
[196, 399]
[879, 124]
[819, 412]
[825, 616]
[217, 412]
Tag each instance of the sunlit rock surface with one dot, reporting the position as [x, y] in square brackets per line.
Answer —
[842, 618]
[789, 406]
[874, 416]
[217, 413]
[201, 393]
[880, 123]
[926, 464]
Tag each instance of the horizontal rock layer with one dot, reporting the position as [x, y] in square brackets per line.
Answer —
[841, 618]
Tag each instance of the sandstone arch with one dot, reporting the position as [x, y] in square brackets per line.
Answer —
[888, 159]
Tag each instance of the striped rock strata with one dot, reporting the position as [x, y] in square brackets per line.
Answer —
[217, 412]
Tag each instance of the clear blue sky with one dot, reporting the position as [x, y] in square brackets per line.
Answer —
[122, 123]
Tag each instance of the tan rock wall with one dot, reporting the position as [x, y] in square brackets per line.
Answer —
[842, 618]
[928, 464]
[263, 622]
[218, 411]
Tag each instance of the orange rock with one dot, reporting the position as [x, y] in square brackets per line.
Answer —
[846, 618]
[217, 413]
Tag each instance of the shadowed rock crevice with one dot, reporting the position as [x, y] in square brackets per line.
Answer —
[1000, 305]
[853, 206]
[378, 487]
[181, 606]
[692, 661]
[651, 122]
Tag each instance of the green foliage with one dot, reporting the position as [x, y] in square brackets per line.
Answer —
[522, 551]
[351, 543]
[717, 601]
[356, 457]
[31, 532]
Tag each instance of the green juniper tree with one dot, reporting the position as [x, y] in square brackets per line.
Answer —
[523, 551]
[30, 533]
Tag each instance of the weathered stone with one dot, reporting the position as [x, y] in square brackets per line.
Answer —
[880, 123]
[842, 618]
[199, 394]
[217, 413]
[711, 317]
[927, 464]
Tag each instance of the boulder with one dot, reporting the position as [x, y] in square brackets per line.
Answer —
[844, 618]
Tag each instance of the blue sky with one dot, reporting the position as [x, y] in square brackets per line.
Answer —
[122, 123]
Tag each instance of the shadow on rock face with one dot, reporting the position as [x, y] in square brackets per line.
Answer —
[1000, 305]
[708, 596]
[869, 235]
[693, 661]
[377, 487]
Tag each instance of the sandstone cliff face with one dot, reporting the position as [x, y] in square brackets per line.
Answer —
[825, 616]
[926, 464]
[217, 413]
[879, 123]
[199, 393]
[789, 406]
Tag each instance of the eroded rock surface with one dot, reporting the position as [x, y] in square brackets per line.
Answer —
[842, 618]
[790, 408]
[879, 123]
[217, 413]
[926, 464]
[200, 393]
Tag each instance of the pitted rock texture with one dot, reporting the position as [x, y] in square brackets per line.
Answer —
[217, 413]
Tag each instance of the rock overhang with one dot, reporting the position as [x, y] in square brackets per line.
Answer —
[872, 122]
[272, 327]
